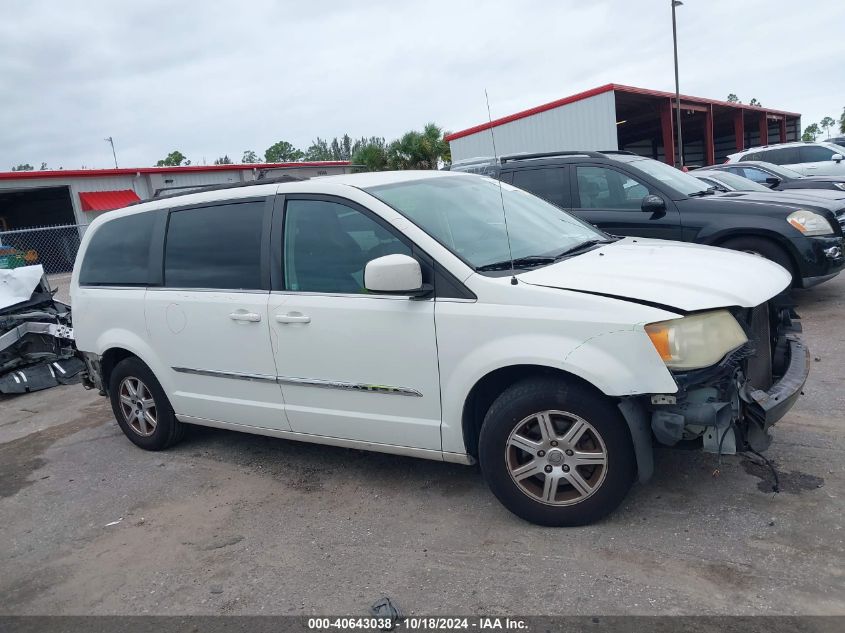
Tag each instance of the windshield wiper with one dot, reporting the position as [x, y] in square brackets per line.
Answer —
[518, 262]
[707, 192]
[580, 247]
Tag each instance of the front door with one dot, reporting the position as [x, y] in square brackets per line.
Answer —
[612, 200]
[352, 364]
[209, 320]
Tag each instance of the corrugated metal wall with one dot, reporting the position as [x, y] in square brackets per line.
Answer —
[589, 124]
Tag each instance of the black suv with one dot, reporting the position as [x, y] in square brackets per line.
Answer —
[626, 194]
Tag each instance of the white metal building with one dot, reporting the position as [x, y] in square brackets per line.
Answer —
[63, 197]
[614, 116]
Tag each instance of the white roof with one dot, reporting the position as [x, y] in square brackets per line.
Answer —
[319, 184]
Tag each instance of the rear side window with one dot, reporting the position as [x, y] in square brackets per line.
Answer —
[215, 247]
[119, 252]
[547, 183]
[781, 156]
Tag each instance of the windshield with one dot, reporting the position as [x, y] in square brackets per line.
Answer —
[736, 182]
[464, 214]
[668, 175]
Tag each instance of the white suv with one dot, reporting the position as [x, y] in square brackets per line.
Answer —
[809, 159]
[379, 311]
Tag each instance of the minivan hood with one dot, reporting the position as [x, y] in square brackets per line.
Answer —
[676, 274]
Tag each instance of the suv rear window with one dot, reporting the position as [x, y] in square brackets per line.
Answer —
[119, 252]
[215, 247]
[546, 182]
[781, 156]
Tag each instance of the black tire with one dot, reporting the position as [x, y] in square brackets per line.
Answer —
[167, 429]
[763, 247]
[509, 413]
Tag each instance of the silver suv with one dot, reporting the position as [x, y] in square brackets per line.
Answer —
[809, 159]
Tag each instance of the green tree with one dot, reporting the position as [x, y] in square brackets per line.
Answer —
[732, 98]
[319, 150]
[371, 154]
[173, 159]
[842, 122]
[283, 152]
[23, 167]
[250, 157]
[419, 150]
[811, 132]
[43, 166]
[223, 160]
[827, 123]
[754, 102]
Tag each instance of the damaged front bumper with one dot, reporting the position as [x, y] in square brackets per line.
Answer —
[728, 407]
[37, 349]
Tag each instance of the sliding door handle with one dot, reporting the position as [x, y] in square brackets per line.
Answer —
[242, 315]
[293, 317]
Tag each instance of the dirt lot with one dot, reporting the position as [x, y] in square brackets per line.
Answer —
[228, 523]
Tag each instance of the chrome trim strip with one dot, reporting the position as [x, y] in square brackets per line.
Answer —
[408, 451]
[225, 374]
[350, 386]
[306, 382]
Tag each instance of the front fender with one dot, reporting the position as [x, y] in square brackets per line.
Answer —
[616, 362]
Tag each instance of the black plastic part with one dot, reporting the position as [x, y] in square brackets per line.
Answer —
[770, 406]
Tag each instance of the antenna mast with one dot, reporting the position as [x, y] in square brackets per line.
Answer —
[501, 195]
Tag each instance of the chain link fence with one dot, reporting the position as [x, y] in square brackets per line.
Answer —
[54, 247]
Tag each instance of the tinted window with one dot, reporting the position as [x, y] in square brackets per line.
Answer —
[602, 188]
[119, 251]
[327, 245]
[215, 247]
[815, 153]
[781, 156]
[547, 183]
[757, 175]
[752, 156]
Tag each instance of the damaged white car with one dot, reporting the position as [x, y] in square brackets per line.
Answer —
[36, 334]
[436, 315]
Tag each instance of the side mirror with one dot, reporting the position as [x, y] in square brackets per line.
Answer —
[837, 158]
[395, 274]
[772, 182]
[653, 204]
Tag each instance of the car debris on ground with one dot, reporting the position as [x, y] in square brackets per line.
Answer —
[37, 350]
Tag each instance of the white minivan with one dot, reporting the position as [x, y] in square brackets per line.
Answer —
[437, 315]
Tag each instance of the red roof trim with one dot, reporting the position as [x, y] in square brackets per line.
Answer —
[131, 171]
[601, 90]
[107, 200]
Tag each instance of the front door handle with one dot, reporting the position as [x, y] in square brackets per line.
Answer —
[242, 315]
[293, 317]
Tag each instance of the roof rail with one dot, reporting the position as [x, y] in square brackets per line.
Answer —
[591, 154]
[618, 151]
[164, 193]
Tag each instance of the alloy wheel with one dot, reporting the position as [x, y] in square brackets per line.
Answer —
[138, 406]
[556, 458]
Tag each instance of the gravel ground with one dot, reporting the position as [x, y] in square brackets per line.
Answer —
[227, 523]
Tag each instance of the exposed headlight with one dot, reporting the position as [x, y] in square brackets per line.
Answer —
[810, 223]
[839, 185]
[696, 341]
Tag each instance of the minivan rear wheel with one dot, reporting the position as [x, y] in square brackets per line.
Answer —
[556, 453]
[142, 409]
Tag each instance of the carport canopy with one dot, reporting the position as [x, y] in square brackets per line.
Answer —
[107, 200]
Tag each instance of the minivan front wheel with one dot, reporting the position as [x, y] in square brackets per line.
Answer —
[141, 407]
[555, 453]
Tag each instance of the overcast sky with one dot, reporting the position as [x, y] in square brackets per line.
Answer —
[216, 77]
